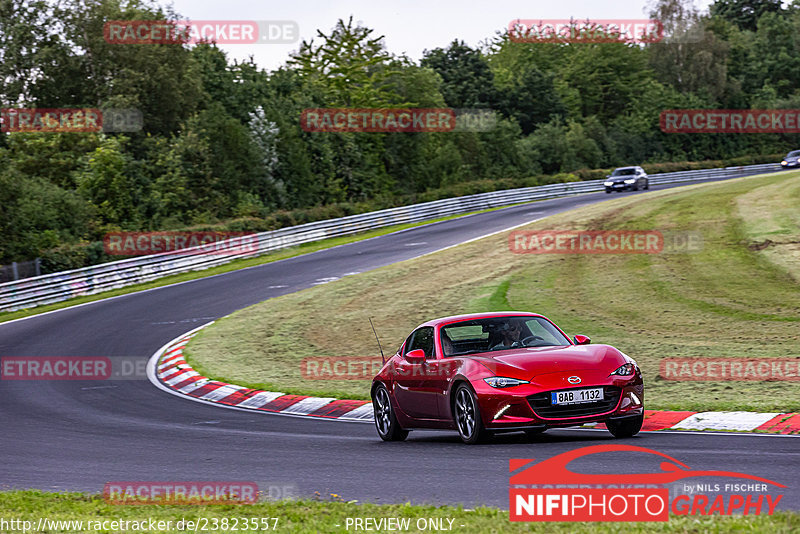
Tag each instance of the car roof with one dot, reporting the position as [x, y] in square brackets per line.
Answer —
[469, 316]
[630, 167]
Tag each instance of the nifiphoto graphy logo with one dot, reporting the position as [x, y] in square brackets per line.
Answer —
[548, 490]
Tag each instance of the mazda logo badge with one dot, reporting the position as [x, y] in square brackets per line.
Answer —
[574, 380]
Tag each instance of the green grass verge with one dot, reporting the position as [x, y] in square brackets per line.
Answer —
[228, 267]
[732, 298]
[309, 516]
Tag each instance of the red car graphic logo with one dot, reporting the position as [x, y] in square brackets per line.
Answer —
[554, 470]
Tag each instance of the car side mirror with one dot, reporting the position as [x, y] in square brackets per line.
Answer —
[415, 356]
[582, 340]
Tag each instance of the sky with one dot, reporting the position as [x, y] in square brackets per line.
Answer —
[409, 26]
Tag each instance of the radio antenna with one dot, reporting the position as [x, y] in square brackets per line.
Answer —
[383, 360]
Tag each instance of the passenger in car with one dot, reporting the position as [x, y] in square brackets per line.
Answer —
[447, 344]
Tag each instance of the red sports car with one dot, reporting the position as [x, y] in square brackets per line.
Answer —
[504, 371]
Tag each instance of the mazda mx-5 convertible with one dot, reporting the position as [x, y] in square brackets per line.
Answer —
[507, 371]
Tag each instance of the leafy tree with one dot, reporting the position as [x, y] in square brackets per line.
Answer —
[608, 76]
[350, 65]
[690, 58]
[467, 80]
[303, 173]
[112, 181]
[36, 214]
[55, 157]
[160, 80]
[236, 86]
[564, 147]
[744, 13]
[775, 53]
[531, 99]
[223, 138]
[25, 43]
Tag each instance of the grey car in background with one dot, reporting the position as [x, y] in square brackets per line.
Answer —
[792, 160]
[627, 179]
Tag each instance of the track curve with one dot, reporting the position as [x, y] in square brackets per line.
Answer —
[75, 435]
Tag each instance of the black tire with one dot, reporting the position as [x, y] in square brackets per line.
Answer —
[467, 417]
[608, 191]
[625, 428]
[385, 421]
[647, 184]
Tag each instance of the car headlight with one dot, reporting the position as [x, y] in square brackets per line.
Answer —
[784, 162]
[624, 370]
[608, 184]
[630, 181]
[503, 382]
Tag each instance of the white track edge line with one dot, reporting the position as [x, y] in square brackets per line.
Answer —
[260, 265]
[711, 180]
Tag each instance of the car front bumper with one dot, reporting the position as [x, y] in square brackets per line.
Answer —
[619, 187]
[526, 406]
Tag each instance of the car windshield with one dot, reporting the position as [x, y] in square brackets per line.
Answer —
[627, 171]
[793, 154]
[499, 333]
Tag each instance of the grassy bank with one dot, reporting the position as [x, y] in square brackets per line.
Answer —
[309, 516]
[732, 298]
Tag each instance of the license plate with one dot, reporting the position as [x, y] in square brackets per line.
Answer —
[576, 396]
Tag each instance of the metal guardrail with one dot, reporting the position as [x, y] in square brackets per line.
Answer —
[64, 285]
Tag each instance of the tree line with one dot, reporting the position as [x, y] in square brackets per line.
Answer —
[222, 147]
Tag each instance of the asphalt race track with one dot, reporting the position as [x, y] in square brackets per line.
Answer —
[78, 435]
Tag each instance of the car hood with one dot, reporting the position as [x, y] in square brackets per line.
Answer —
[530, 363]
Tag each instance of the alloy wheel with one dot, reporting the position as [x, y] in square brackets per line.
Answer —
[383, 411]
[465, 413]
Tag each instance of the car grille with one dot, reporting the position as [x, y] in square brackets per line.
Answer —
[542, 407]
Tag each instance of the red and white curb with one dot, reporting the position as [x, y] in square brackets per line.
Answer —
[769, 423]
[168, 370]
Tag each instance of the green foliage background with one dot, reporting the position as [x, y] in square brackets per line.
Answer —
[222, 145]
